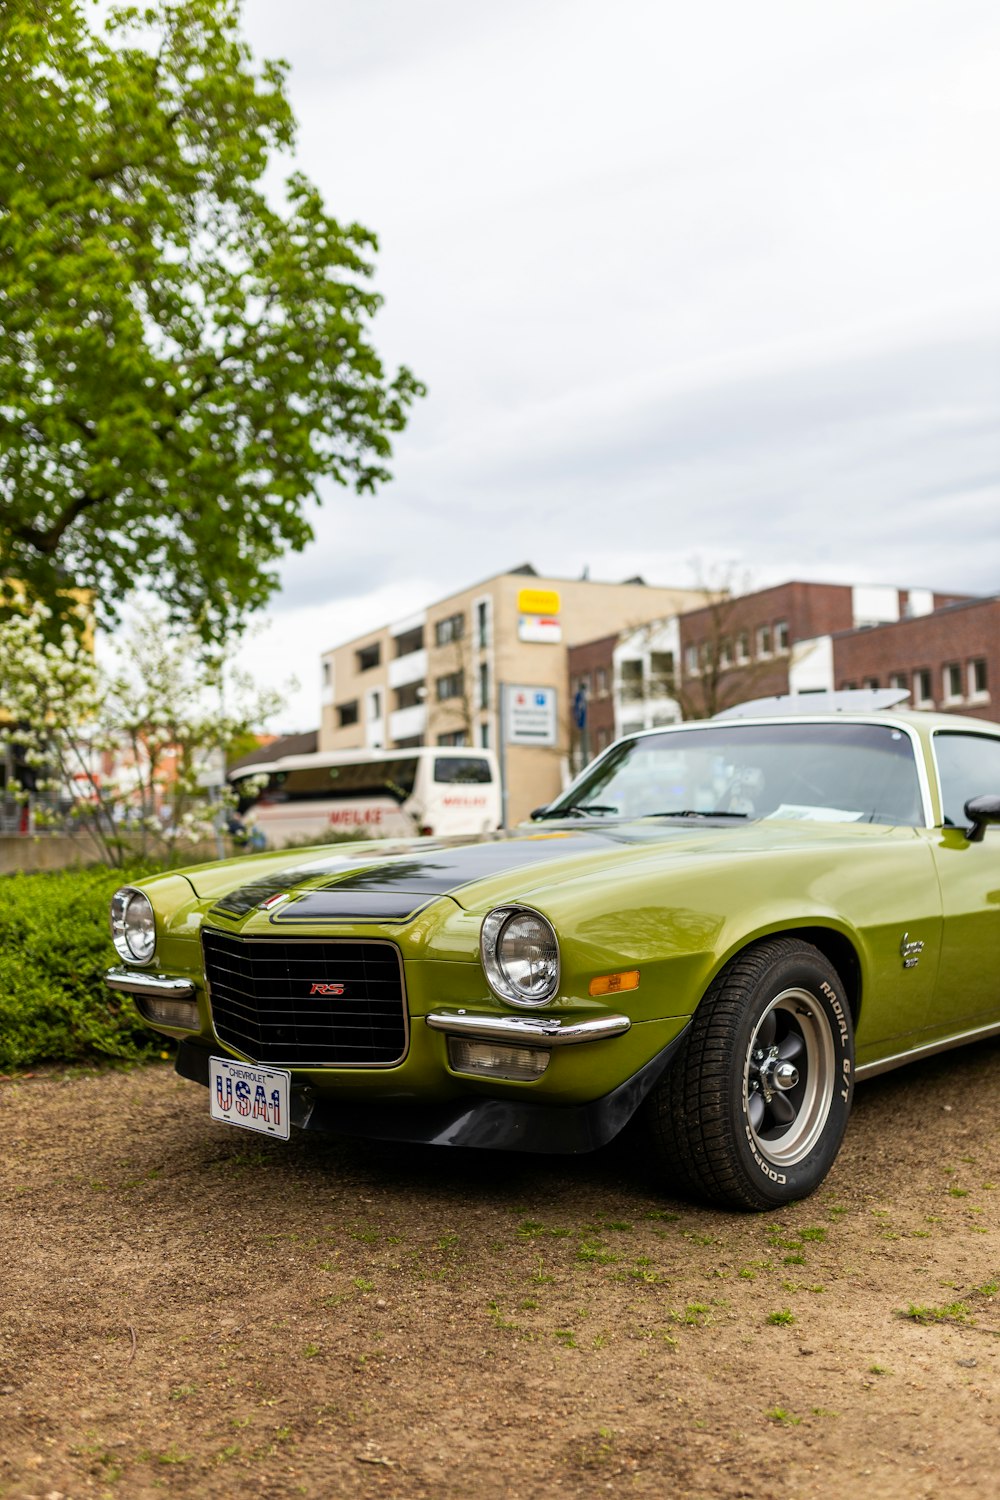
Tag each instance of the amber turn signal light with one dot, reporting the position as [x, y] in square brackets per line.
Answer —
[613, 984]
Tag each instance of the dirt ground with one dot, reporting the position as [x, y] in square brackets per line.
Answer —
[191, 1308]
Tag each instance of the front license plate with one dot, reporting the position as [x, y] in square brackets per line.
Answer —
[251, 1097]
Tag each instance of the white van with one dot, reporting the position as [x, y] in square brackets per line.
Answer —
[381, 793]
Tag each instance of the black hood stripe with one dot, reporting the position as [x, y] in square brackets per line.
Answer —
[403, 880]
[398, 890]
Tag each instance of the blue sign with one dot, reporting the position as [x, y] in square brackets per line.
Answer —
[580, 709]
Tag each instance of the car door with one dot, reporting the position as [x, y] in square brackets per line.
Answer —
[967, 992]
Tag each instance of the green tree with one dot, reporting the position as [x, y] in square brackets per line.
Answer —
[181, 361]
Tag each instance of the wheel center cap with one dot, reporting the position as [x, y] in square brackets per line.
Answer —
[775, 1073]
[785, 1076]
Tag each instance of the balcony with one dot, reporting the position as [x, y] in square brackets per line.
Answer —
[408, 723]
[406, 669]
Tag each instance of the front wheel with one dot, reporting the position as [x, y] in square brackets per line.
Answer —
[754, 1107]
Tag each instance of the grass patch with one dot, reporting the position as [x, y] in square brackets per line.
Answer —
[951, 1312]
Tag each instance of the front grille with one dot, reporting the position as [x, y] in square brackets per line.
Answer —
[264, 1004]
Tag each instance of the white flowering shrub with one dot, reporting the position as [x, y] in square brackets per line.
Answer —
[130, 760]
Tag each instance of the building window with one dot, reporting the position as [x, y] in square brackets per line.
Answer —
[923, 691]
[451, 629]
[871, 682]
[725, 652]
[347, 714]
[484, 685]
[781, 635]
[848, 687]
[369, 656]
[953, 682]
[602, 682]
[661, 671]
[484, 736]
[899, 680]
[743, 647]
[454, 737]
[450, 686]
[327, 674]
[410, 695]
[410, 641]
[630, 675]
[691, 666]
[483, 623]
[375, 705]
[978, 680]
[763, 640]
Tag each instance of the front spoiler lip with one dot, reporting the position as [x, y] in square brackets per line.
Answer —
[527, 1031]
[155, 985]
[475, 1121]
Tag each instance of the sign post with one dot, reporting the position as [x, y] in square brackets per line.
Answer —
[580, 718]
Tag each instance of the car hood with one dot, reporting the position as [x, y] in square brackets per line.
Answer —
[392, 882]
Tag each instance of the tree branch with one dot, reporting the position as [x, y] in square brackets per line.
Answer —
[48, 540]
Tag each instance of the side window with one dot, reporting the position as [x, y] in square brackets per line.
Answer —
[969, 766]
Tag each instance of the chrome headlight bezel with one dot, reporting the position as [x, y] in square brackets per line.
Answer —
[133, 921]
[491, 935]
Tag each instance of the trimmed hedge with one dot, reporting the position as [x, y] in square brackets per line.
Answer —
[54, 948]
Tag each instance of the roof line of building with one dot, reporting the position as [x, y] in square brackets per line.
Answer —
[943, 609]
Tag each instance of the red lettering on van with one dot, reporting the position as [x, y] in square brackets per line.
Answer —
[360, 817]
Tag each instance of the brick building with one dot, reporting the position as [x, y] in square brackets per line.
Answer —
[949, 660]
[796, 637]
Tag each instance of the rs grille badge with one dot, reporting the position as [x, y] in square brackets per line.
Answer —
[327, 989]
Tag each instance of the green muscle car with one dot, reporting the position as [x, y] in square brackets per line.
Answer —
[719, 927]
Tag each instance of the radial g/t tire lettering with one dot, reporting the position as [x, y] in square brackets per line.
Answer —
[754, 1107]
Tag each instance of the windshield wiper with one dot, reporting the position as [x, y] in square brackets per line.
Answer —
[695, 812]
[576, 810]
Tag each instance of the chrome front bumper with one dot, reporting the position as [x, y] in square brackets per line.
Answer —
[157, 986]
[525, 1031]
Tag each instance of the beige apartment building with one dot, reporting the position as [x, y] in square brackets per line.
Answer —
[487, 666]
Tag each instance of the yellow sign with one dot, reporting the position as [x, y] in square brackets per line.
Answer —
[538, 602]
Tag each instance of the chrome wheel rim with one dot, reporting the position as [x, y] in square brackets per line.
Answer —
[788, 1078]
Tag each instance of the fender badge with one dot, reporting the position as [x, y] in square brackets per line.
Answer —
[909, 951]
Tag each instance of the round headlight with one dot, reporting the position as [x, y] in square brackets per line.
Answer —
[520, 955]
[133, 926]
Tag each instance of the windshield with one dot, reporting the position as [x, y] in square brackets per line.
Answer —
[844, 772]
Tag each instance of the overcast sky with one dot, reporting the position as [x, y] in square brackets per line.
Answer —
[691, 286]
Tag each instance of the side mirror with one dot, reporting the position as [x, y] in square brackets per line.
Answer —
[981, 811]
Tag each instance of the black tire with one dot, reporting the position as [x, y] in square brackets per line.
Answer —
[754, 1106]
